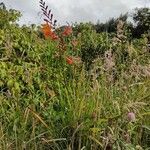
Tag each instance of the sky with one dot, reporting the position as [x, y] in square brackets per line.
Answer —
[72, 11]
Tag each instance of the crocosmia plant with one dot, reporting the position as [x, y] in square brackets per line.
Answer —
[49, 31]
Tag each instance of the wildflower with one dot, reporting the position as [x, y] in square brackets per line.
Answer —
[54, 36]
[47, 31]
[67, 31]
[131, 116]
[69, 60]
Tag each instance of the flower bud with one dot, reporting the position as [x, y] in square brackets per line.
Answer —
[131, 116]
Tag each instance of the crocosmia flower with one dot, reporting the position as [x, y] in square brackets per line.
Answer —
[46, 29]
[67, 31]
[69, 60]
[53, 36]
[48, 32]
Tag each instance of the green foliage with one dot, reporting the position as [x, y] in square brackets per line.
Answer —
[141, 18]
[140, 23]
[47, 104]
[110, 25]
[8, 17]
[93, 45]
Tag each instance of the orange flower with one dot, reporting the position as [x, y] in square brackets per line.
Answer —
[67, 31]
[69, 60]
[47, 31]
[54, 36]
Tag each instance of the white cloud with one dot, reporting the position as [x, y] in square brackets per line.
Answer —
[75, 10]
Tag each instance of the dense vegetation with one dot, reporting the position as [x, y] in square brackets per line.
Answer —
[90, 90]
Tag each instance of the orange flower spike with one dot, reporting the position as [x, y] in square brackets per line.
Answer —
[54, 36]
[67, 31]
[69, 60]
[46, 29]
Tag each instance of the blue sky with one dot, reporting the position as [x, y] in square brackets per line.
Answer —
[75, 10]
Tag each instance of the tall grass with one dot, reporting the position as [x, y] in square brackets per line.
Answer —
[47, 104]
[78, 113]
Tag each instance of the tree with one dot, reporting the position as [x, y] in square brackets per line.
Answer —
[141, 18]
[111, 24]
[7, 17]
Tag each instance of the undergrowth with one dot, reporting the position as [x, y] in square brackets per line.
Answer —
[60, 89]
